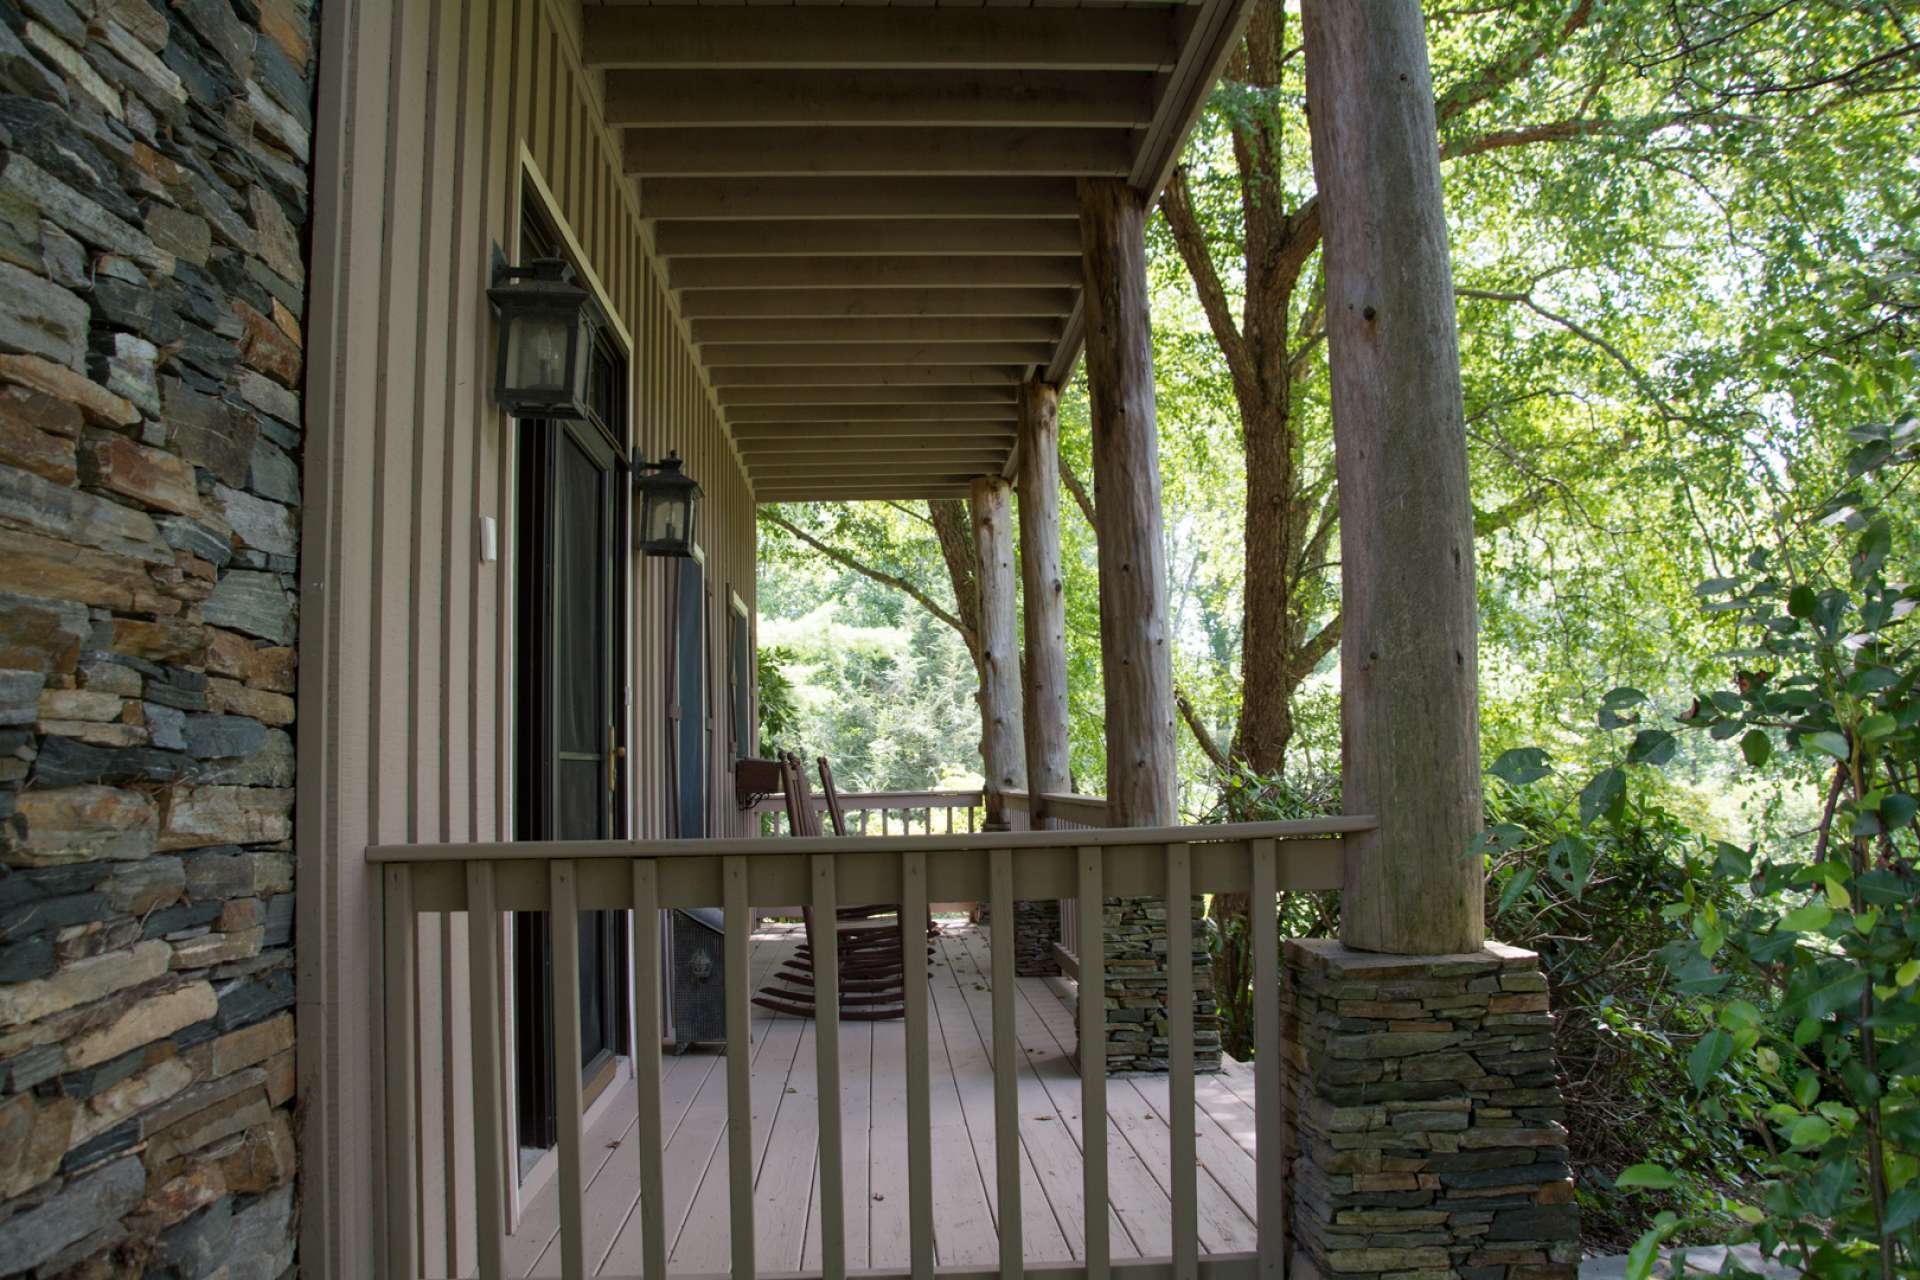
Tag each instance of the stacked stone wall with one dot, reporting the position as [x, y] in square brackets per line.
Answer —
[1426, 1119]
[1136, 986]
[153, 188]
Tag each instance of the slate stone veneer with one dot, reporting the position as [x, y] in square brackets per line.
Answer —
[1136, 986]
[1426, 1119]
[153, 187]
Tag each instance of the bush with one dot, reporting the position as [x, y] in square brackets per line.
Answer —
[1798, 958]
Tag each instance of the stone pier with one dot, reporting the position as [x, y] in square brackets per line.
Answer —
[1136, 987]
[1425, 1118]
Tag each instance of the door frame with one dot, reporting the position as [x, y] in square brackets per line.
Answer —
[528, 187]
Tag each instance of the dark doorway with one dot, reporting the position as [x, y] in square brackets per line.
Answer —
[570, 697]
[688, 715]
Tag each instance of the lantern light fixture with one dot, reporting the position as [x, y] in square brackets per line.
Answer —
[546, 339]
[669, 504]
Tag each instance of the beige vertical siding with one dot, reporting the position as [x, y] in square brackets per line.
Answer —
[428, 112]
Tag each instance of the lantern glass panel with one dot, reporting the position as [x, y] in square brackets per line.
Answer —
[538, 347]
[668, 518]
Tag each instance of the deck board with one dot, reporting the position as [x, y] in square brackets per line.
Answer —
[873, 1104]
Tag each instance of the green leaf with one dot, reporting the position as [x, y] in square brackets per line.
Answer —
[1800, 602]
[1811, 918]
[1641, 1257]
[1877, 725]
[1647, 1175]
[1826, 743]
[1605, 794]
[1521, 766]
[1652, 746]
[1516, 885]
[1756, 746]
[1738, 1015]
[1810, 1131]
[1903, 1209]
[1897, 810]
[1708, 1056]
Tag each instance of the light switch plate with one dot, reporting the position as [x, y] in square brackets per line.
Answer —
[489, 540]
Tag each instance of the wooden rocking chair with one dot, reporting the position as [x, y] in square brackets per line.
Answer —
[867, 938]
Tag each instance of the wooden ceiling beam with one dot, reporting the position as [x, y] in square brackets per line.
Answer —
[692, 152]
[808, 492]
[657, 37]
[895, 329]
[813, 437]
[812, 304]
[868, 197]
[811, 355]
[873, 273]
[866, 236]
[877, 466]
[779, 96]
[775, 419]
[868, 375]
[894, 394]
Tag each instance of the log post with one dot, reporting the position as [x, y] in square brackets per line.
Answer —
[1002, 745]
[1409, 700]
[1126, 480]
[1043, 595]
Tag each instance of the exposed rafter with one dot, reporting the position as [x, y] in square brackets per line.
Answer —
[664, 99]
[867, 214]
[1147, 39]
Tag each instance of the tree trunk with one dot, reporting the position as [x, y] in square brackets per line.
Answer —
[1267, 679]
[1411, 752]
[1134, 654]
[1043, 596]
[1002, 746]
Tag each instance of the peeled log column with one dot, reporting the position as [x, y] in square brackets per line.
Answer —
[1409, 701]
[1126, 480]
[1043, 593]
[1001, 740]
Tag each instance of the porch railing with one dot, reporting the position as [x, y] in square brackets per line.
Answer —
[1060, 811]
[564, 879]
[886, 813]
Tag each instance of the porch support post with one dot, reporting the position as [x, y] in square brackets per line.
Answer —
[1409, 700]
[1126, 481]
[1001, 738]
[1044, 615]
[1043, 594]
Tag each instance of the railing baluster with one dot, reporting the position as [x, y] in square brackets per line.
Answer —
[739, 959]
[398, 926]
[646, 1040]
[1093, 1060]
[1180, 1112]
[1006, 1063]
[826, 1042]
[564, 907]
[1263, 926]
[913, 957]
[489, 1133]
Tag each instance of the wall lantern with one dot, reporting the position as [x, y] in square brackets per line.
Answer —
[669, 501]
[546, 337]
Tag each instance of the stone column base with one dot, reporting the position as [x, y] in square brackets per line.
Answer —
[1036, 928]
[1136, 988]
[1426, 1128]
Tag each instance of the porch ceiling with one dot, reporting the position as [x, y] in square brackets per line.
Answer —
[867, 214]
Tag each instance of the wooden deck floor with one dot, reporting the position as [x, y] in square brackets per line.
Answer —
[785, 1139]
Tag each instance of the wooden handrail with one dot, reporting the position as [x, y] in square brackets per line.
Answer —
[885, 800]
[542, 850]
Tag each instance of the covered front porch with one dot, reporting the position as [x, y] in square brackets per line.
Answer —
[786, 1141]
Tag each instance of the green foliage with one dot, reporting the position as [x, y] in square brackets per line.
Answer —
[1800, 955]
[779, 713]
